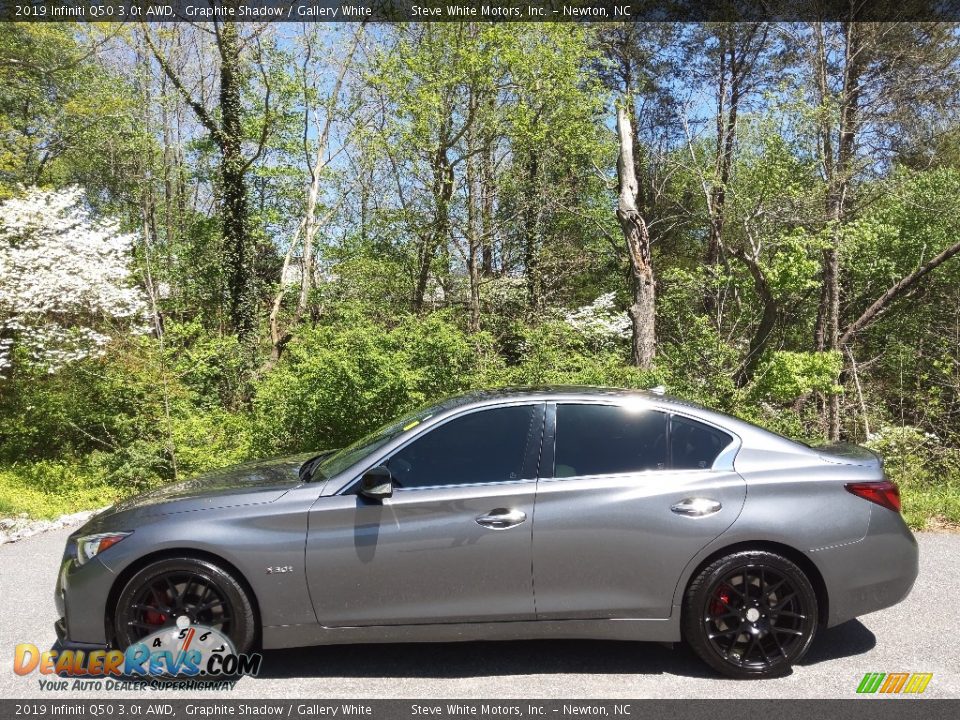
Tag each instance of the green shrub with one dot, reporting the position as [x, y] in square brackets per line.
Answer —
[784, 376]
[337, 383]
[210, 439]
[554, 353]
[47, 489]
[141, 415]
[210, 367]
[927, 472]
[104, 404]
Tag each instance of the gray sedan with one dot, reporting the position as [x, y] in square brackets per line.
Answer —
[560, 512]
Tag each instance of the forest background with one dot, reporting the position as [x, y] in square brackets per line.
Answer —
[220, 242]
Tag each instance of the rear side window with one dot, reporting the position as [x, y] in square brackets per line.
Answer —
[606, 440]
[693, 445]
[482, 447]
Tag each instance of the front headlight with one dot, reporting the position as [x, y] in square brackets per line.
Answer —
[89, 546]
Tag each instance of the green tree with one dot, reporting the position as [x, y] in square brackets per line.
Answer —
[66, 117]
[228, 131]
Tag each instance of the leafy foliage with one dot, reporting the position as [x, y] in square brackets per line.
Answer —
[465, 237]
[785, 375]
[341, 381]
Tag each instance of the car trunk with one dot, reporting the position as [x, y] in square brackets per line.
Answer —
[849, 454]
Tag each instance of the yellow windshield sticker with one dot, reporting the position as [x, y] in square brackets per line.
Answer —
[411, 424]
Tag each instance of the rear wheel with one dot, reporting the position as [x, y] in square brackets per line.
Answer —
[156, 596]
[751, 614]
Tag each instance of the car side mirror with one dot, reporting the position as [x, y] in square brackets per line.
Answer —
[377, 483]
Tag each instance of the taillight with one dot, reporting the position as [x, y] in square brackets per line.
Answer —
[883, 493]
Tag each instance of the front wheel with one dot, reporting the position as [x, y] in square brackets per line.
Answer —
[751, 614]
[162, 592]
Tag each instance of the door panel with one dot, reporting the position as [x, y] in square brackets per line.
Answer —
[421, 557]
[612, 530]
[612, 547]
[453, 544]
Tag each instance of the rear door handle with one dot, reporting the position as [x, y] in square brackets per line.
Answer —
[696, 507]
[501, 518]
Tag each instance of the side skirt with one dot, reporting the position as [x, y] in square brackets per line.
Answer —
[288, 636]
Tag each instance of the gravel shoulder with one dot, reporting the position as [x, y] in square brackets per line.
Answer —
[919, 635]
[17, 528]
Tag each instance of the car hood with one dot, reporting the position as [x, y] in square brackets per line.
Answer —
[250, 483]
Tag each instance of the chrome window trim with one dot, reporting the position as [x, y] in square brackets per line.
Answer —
[456, 486]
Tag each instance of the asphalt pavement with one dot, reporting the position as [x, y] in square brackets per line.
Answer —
[918, 635]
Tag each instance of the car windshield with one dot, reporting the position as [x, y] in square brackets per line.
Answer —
[342, 459]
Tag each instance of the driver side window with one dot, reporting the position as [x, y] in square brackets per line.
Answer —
[481, 447]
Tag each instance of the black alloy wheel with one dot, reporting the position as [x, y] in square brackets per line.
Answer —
[159, 594]
[751, 614]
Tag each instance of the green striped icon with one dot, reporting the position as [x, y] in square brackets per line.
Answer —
[871, 682]
[890, 683]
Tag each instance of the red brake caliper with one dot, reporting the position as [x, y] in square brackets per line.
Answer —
[718, 605]
[154, 617]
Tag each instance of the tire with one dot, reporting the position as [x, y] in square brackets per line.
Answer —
[750, 614]
[200, 589]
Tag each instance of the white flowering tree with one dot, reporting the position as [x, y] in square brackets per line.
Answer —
[600, 321]
[65, 280]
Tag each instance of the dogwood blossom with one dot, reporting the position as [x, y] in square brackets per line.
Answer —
[65, 279]
[600, 320]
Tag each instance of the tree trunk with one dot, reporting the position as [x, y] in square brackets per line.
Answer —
[236, 235]
[474, 230]
[725, 124]
[473, 268]
[306, 262]
[423, 272]
[278, 337]
[531, 234]
[768, 321]
[486, 177]
[643, 309]
[837, 171]
[899, 289]
[228, 136]
[739, 47]
[440, 232]
[309, 233]
[316, 168]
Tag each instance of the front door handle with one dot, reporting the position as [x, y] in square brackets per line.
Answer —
[501, 518]
[696, 507]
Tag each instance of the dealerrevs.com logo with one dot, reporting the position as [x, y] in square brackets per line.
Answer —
[183, 657]
[894, 683]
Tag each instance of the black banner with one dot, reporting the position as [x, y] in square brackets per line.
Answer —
[875, 708]
[476, 10]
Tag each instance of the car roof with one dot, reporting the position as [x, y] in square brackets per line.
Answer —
[557, 392]
[748, 432]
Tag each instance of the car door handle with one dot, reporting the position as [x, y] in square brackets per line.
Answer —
[696, 507]
[501, 518]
